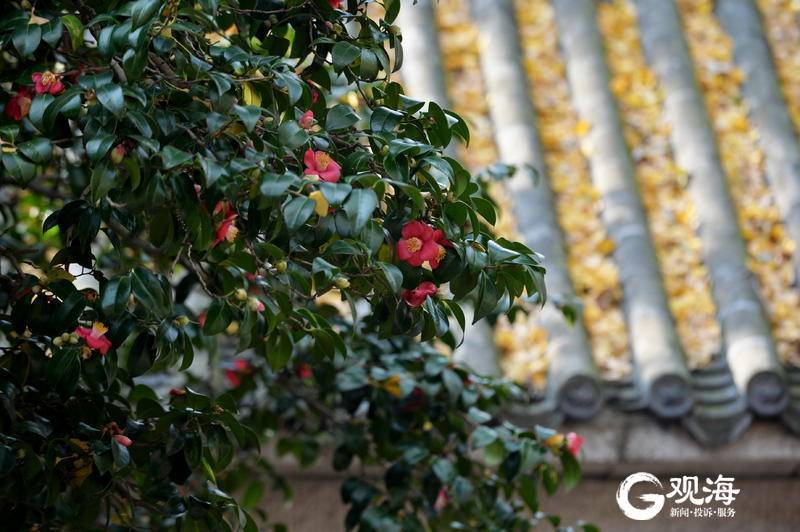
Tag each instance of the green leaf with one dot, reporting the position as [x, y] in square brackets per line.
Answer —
[38, 107]
[352, 378]
[340, 116]
[75, 29]
[335, 193]
[443, 469]
[7, 460]
[485, 209]
[38, 150]
[115, 295]
[274, 185]
[392, 8]
[111, 97]
[360, 206]
[149, 291]
[483, 436]
[142, 11]
[281, 351]
[487, 298]
[52, 31]
[453, 383]
[218, 317]
[291, 135]
[249, 115]
[297, 211]
[570, 469]
[343, 54]
[26, 38]
[393, 276]
[21, 169]
[172, 157]
[528, 491]
[384, 119]
[99, 146]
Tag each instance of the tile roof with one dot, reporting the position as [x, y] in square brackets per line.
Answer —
[659, 174]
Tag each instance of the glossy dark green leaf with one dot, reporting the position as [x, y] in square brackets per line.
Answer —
[172, 157]
[297, 212]
[111, 97]
[291, 135]
[75, 29]
[142, 11]
[359, 207]
[340, 116]
[26, 38]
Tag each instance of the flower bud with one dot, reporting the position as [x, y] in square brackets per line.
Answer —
[73, 338]
[117, 154]
[241, 294]
[65, 337]
[281, 266]
[182, 321]
[57, 341]
[255, 304]
[123, 440]
[342, 283]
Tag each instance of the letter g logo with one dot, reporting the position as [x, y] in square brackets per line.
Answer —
[630, 511]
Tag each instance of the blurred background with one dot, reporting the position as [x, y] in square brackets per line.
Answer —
[655, 165]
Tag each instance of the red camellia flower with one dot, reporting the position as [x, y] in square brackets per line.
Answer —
[123, 440]
[307, 120]
[441, 250]
[95, 337]
[177, 392]
[47, 83]
[335, 4]
[320, 164]
[227, 229]
[416, 297]
[574, 443]
[304, 371]
[417, 244]
[233, 374]
[19, 106]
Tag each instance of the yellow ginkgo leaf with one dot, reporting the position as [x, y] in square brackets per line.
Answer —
[322, 205]
[392, 386]
[250, 94]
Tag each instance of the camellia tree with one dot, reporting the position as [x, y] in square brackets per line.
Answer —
[225, 229]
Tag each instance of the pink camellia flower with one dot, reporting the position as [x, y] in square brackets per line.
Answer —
[95, 337]
[417, 244]
[19, 106]
[441, 500]
[417, 296]
[227, 229]
[574, 443]
[47, 83]
[320, 164]
[123, 440]
[307, 120]
[201, 319]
